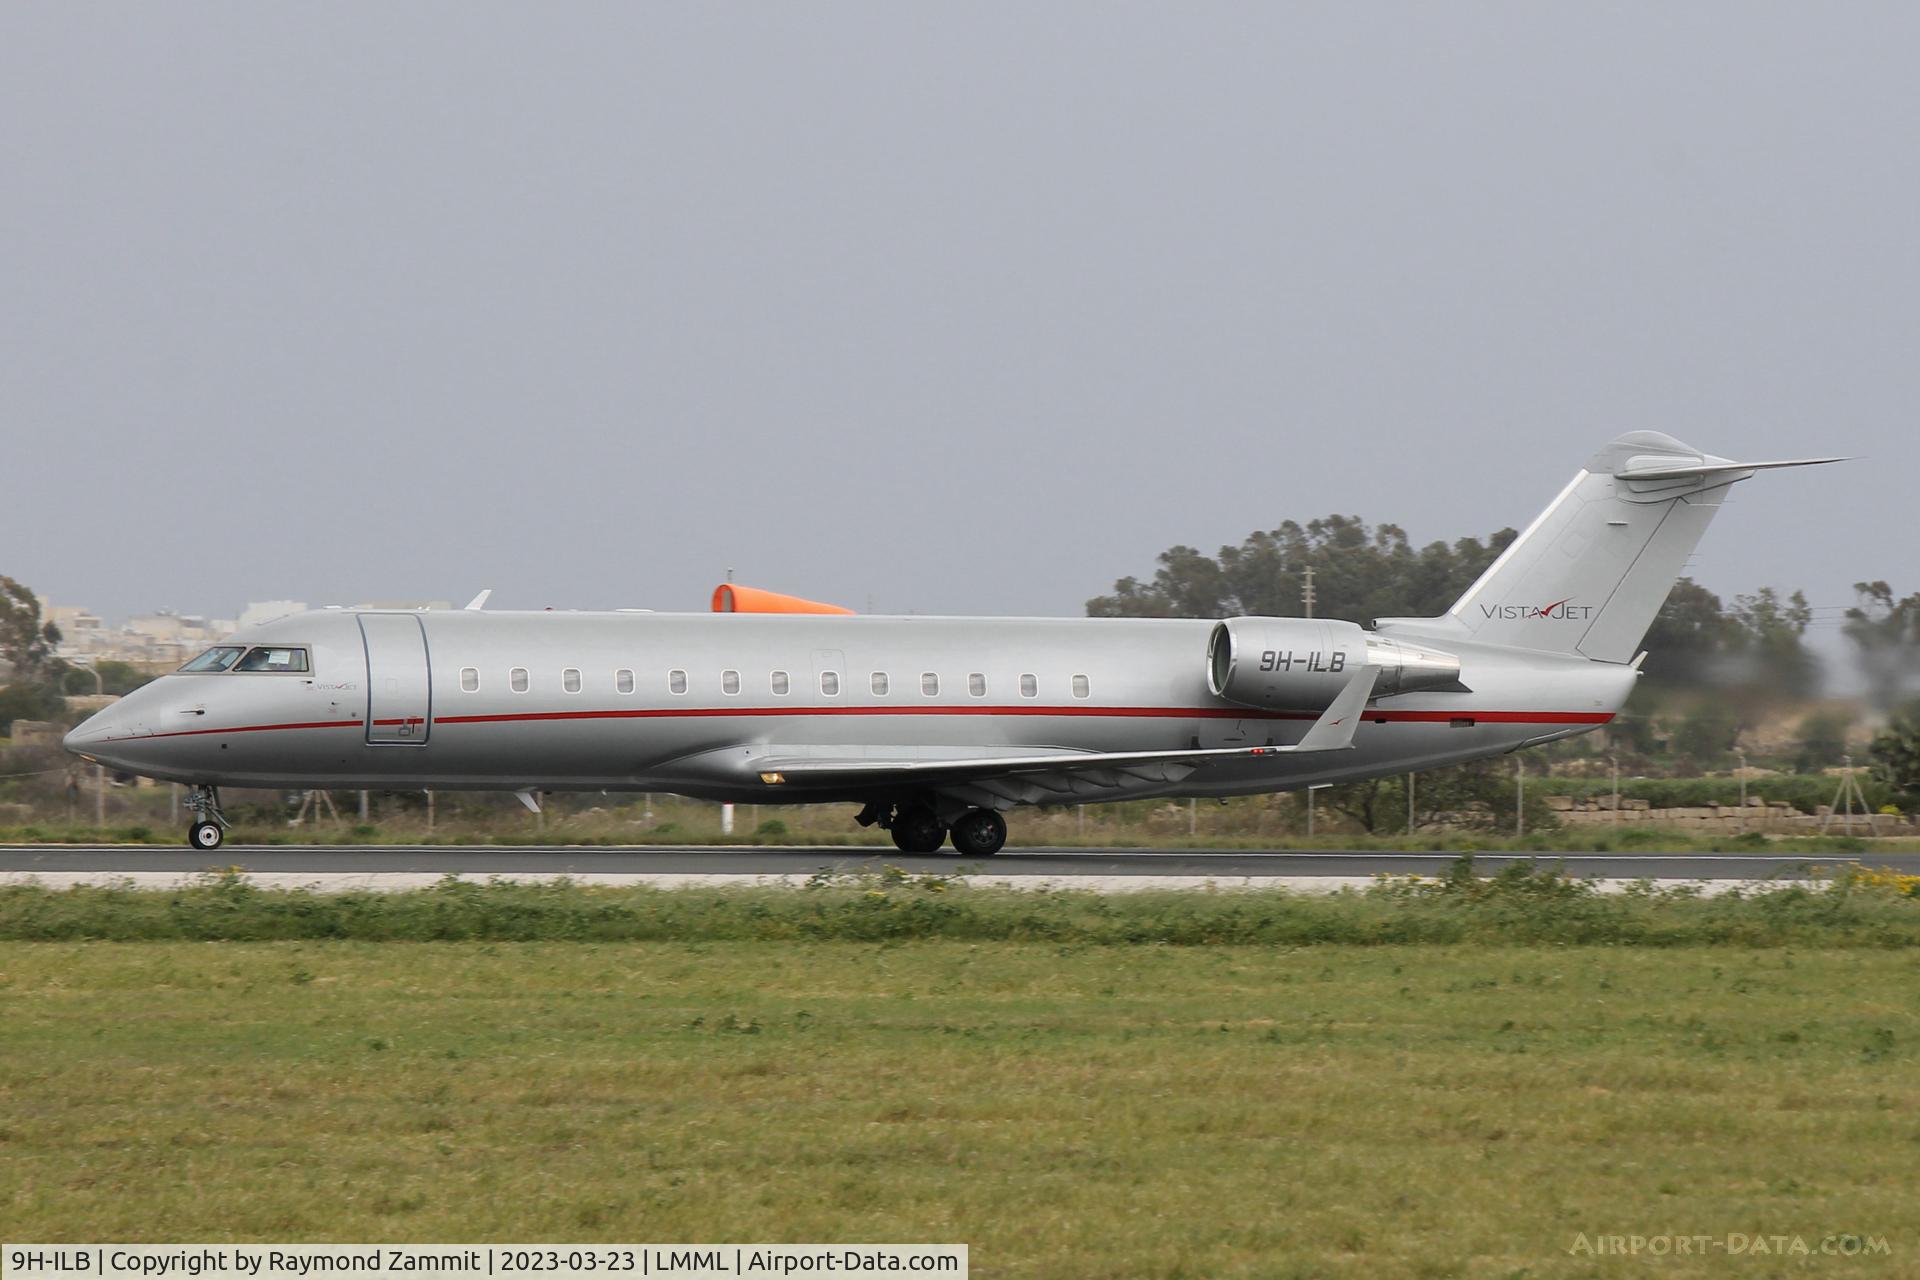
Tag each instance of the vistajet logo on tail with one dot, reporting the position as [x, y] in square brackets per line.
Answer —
[1558, 611]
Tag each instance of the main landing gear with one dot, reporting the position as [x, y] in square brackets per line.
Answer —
[979, 834]
[209, 829]
[916, 828]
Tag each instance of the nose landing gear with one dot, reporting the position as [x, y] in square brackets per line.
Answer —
[209, 829]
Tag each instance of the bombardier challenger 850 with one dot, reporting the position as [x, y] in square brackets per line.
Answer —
[936, 727]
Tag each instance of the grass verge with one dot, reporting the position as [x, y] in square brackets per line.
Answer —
[1067, 1110]
[1520, 904]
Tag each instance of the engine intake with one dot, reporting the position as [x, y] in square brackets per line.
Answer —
[1301, 664]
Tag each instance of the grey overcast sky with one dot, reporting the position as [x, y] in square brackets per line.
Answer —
[946, 308]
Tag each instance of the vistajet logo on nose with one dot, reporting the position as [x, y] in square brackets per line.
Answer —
[1558, 611]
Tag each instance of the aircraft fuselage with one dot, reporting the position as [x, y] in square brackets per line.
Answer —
[686, 702]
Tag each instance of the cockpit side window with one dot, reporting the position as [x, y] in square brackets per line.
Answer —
[218, 658]
[273, 658]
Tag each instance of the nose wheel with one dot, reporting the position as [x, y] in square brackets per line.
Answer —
[209, 829]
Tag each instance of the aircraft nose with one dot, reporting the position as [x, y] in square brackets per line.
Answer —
[104, 734]
[87, 736]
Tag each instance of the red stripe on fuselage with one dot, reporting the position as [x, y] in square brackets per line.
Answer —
[1137, 713]
[1134, 713]
[244, 728]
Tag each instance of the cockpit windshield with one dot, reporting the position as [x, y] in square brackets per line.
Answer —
[218, 658]
[269, 658]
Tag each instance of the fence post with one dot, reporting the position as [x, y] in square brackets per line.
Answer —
[1519, 797]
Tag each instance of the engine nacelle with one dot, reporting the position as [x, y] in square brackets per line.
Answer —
[1301, 664]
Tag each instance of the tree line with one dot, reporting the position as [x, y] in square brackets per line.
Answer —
[1363, 571]
[1750, 651]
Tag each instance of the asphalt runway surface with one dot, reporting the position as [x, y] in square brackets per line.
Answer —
[1277, 864]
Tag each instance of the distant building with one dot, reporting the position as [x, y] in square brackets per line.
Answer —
[77, 625]
[37, 733]
[83, 635]
[167, 637]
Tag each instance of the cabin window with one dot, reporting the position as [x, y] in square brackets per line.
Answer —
[469, 680]
[1029, 687]
[623, 681]
[830, 683]
[676, 681]
[570, 679]
[517, 679]
[880, 684]
[930, 684]
[1082, 688]
[730, 682]
[780, 684]
[218, 658]
[977, 685]
[269, 658]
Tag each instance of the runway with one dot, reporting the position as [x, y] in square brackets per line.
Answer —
[408, 866]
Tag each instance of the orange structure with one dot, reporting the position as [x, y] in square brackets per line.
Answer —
[728, 598]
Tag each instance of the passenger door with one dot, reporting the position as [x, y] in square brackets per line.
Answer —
[399, 691]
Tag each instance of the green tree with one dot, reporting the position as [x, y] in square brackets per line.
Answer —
[1896, 753]
[1706, 734]
[1689, 638]
[1635, 730]
[1886, 637]
[1373, 804]
[1361, 572]
[1770, 634]
[29, 702]
[1823, 741]
[118, 678]
[26, 642]
[1481, 793]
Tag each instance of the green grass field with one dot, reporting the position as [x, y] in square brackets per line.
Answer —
[1066, 1109]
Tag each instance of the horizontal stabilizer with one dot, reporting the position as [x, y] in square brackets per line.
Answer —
[1665, 469]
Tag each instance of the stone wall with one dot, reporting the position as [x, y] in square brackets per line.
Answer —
[1725, 819]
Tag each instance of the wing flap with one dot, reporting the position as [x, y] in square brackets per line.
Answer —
[1063, 771]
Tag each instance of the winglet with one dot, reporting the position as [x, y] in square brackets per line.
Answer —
[479, 602]
[1333, 731]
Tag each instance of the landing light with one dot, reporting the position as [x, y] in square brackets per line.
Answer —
[773, 779]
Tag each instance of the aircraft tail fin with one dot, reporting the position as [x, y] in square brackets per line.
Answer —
[1592, 570]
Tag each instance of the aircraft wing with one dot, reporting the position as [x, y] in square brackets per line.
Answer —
[1032, 775]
